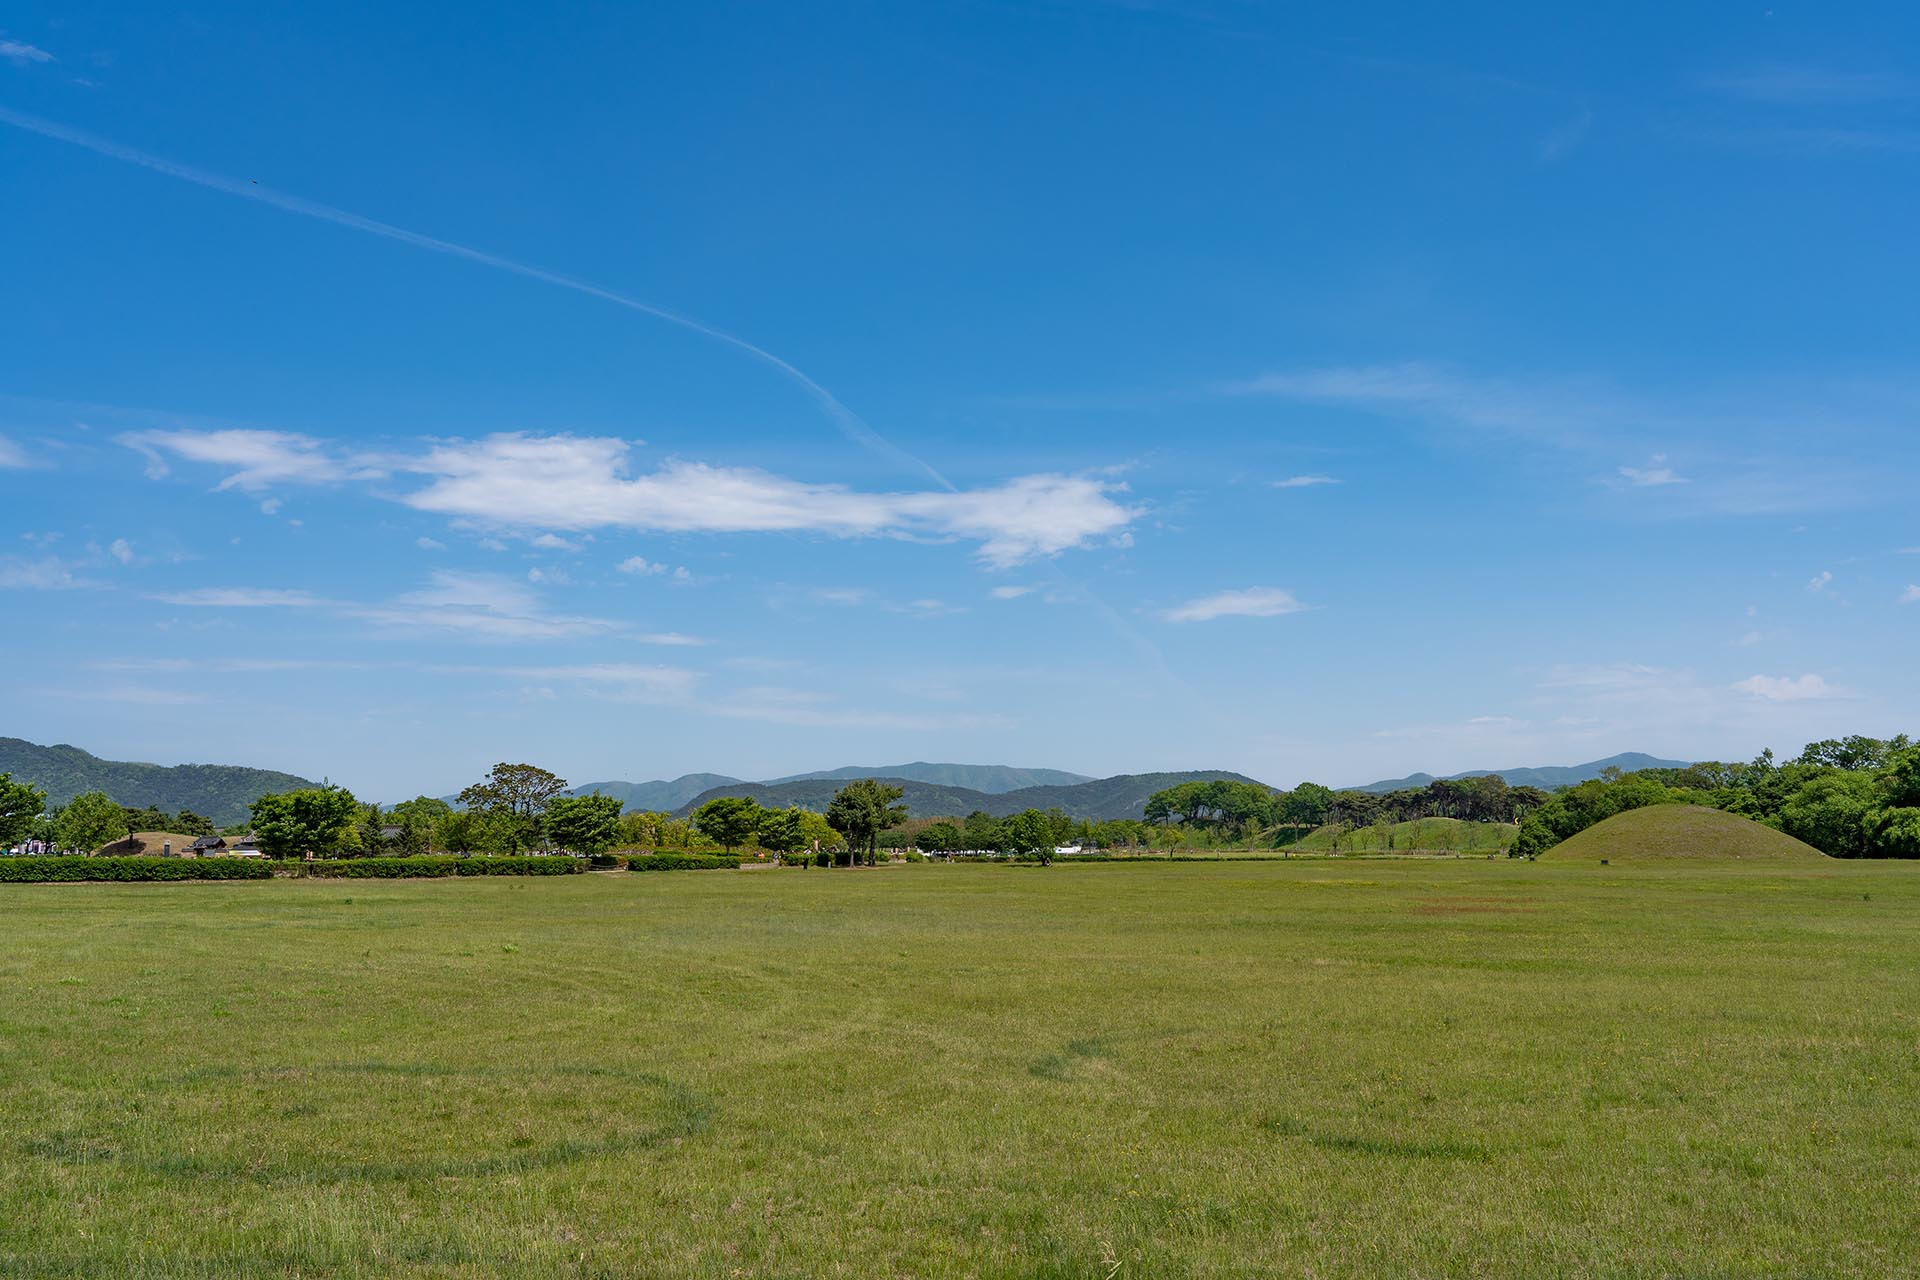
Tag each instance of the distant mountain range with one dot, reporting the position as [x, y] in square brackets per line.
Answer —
[993, 779]
[221, 792]
[663, 796]
[1546, 777]
[1124, 796]
[224, 792]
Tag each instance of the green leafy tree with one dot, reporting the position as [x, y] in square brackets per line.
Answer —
[940, 837]
[513, 798]
[862, 810]
[88, 821]
[729, 821]
[784, 831]
[419, 821]
[187, 822]
[147, 818]
[1832, 813]
[587, 825]
[1028, 832]
[460, 831]
[294, 823]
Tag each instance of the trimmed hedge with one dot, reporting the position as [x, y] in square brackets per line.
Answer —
[45, 869]
[681, 862]
[444, 865]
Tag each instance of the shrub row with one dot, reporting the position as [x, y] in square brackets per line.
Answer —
[41, 869]
[670, 861]
[444, 865]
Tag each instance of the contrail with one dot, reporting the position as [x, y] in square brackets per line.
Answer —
[846, 419]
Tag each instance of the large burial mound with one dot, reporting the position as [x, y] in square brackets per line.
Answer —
[1674, 832]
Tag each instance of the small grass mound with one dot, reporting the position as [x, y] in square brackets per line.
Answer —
[1421, 835]
[147, 844]
[1664, 832]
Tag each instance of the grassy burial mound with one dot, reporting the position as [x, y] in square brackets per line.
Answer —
[147, 844]
[1676, 832]
[1421, 835]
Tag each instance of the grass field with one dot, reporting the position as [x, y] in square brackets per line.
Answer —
[1448, 1068]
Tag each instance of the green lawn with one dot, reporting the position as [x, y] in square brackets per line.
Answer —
[1448, 1068]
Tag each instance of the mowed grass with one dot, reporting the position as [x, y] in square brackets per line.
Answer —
[1448, 1068]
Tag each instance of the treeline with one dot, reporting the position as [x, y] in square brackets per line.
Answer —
[1853, 797]
[87, 822]
[1247, 811]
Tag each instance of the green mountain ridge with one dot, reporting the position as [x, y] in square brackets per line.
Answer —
[990, 778]
[1546, 777]
[221, 792]
[1122, 796]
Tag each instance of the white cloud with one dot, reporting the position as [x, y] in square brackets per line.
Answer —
[271, 507]
[239, 598]
[1654, 474]
[45, 574]
[1911, 595]
[928, 608]
[1251, 602]
[121, 550]
[1750, 639]
[626, 681]
[847, 596]
[429, 544]
[21, 54]
[255, 459]
[640, 565]
[1011, 592]
[1782, 84]
[11, 454]
[577, 483]
[481, 605]
[1302, 482]
[569, 482]
[1821, 581]
[1790, 688]
[554, 542]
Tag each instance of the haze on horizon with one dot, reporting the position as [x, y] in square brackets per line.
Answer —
[1104, 387]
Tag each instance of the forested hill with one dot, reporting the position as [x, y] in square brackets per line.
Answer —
[1124, 796]
[664, 795]
[1547, 777]
[991, 778]
[221, 792]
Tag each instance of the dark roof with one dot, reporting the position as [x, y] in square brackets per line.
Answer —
[209, 842]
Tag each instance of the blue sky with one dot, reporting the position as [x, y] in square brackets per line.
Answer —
[386, 391]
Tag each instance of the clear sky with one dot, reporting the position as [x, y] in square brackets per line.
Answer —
[387, 390]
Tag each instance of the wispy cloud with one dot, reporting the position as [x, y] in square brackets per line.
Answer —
[481, 606]
[1562, 141]
[240, 598]
[1250, 602]
[253, 459]
[1785, 84]
[1911, 595]
[1807, 688]
[578, 484]
[1011, 592]
[20, 54]
[1302, 482]
[1820, 581]
[1654, 474]
[12, 456]
[641, 566]
[46, 573]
